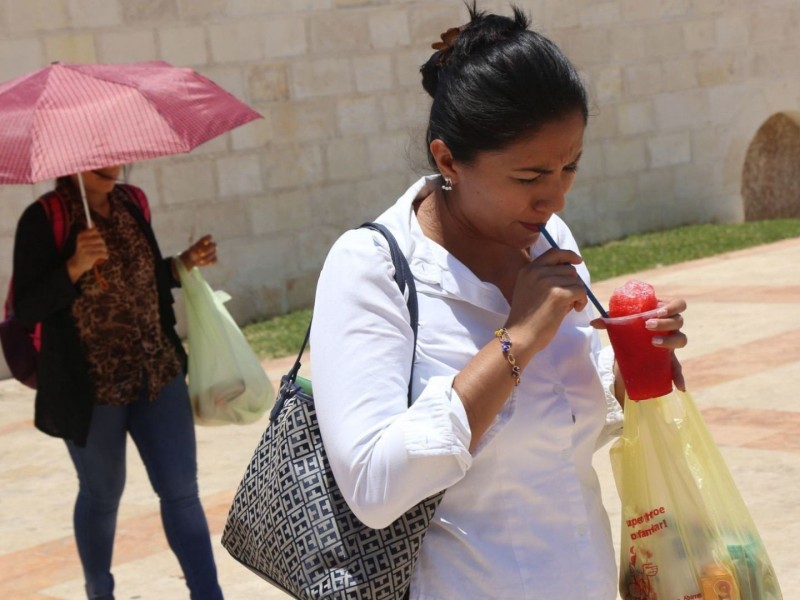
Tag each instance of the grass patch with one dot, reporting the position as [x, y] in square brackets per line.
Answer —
[282, 336]
[649, 250]
[278, 336]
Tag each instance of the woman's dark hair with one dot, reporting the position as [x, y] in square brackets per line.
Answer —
[64, 181]
[497, 82]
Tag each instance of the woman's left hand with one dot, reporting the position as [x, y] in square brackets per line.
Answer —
[667, 323]
[200, 254]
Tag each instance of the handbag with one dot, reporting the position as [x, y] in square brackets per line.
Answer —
[289, 522]
[227, 383]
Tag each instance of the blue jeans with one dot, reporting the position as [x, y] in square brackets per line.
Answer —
[163, 431]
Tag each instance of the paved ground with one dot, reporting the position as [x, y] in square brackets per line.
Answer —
[742, 366]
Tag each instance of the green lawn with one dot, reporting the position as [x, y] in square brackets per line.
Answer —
[645, 251]
[278, 336]
[282, 336]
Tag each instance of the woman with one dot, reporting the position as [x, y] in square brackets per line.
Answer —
[522, 516]
[111, 364]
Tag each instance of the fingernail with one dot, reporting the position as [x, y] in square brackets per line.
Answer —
[658, 341]
[662, 312]
[651, 324]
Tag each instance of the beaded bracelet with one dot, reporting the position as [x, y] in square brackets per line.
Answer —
[505, 343]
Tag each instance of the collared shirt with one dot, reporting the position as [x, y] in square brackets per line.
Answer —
[119, 325]
[522, 516]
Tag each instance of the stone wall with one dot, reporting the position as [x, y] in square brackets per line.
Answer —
[679, 89]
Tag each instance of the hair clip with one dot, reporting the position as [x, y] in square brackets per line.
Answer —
[445, 46]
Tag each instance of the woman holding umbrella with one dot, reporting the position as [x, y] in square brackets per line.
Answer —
[111, 364]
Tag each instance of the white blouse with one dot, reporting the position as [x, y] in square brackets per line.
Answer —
[522, 516]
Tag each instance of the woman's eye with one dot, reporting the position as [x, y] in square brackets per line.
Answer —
[572, 168]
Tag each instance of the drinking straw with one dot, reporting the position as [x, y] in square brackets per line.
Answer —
[594, 300]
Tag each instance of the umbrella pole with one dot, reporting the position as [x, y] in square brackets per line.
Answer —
[100, 279]
[85, 202]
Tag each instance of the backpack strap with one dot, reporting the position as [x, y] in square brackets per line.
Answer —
[55, 207]
[138, 198]
[8, 310]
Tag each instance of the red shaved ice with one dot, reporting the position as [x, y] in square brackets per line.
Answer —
[632, 298]
[645, 368]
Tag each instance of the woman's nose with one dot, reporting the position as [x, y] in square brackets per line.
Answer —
[552, 198]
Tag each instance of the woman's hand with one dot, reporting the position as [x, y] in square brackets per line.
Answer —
[200, 254]
[667, 323]
[89, 250]
[547, 289]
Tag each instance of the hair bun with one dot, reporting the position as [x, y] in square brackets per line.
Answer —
[458, 43]
[430, 73]
[486, 30]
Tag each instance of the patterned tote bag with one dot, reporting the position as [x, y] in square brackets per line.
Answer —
[289, 522]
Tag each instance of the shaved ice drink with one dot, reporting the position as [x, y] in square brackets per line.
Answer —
[646, 369]
[632, 298]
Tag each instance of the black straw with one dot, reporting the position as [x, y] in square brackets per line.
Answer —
[594, 300]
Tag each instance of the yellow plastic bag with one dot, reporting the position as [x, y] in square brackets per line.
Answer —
[226, 381]
[686, 533]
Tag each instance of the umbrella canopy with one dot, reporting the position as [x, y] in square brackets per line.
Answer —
[68, 118]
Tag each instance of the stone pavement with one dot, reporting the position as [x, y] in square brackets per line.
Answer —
[742, 366]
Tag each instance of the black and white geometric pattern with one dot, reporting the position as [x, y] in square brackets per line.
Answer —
[290, 524]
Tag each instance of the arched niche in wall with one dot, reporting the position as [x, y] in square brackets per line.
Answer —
[771, 173]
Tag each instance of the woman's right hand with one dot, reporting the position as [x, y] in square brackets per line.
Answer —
[547, 289]
[89, 250]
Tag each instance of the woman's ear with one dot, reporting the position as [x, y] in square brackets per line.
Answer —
[444, 159]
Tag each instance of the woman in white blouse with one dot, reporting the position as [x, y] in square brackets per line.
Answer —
[522, 516]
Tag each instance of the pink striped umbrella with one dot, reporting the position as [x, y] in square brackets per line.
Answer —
[68, 118]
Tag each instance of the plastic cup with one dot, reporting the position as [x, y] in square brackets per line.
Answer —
[646, 369]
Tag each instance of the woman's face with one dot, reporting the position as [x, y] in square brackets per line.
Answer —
[504, 196]
[99, 181]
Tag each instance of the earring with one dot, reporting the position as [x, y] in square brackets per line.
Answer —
[447, 186]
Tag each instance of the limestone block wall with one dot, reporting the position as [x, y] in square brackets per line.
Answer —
[679, 89]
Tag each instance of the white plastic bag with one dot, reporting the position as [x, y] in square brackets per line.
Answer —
[226, 381]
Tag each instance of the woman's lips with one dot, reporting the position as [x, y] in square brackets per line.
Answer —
[533, 226]
[105, 176]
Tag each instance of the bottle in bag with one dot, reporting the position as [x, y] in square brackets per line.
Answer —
[718, 583]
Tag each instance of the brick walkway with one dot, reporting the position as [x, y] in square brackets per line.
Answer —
[742, 366]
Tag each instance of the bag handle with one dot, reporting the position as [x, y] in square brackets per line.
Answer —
[404, 279]
[402, 274]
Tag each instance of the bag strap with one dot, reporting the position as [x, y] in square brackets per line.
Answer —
[55, 207]
[405, 281]
[402, 274]
[138, 198]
